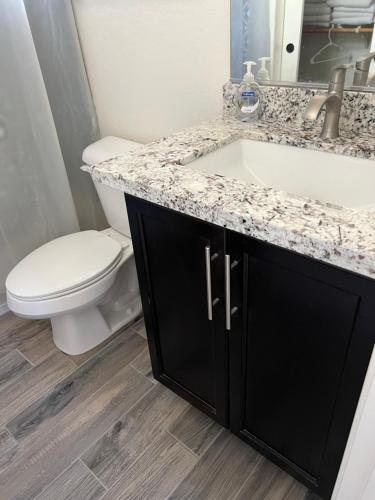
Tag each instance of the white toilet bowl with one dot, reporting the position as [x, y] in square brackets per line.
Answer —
[86, 283]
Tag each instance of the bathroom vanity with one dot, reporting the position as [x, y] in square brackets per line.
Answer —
[273, 344]
[258, 299]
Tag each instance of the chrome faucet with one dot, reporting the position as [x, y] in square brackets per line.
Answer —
[362, 68]
[332, 101]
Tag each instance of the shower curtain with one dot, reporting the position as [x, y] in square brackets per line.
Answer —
[57, 44]
[36, 203]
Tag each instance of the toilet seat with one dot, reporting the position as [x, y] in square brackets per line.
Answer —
[69, 291]
[64, 266]
[72, 300]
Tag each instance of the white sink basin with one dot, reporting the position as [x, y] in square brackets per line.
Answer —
[327, 177]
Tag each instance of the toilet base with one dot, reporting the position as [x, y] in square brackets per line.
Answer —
[79, 332]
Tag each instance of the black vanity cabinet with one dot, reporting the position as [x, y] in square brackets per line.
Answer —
[299, 351]
[179, 261]
[282, 361]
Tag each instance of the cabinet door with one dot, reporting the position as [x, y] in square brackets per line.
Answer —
[180, 268]
[304, 340]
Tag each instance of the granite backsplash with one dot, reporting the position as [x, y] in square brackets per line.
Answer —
[288, 104]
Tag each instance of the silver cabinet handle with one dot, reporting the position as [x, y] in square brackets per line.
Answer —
[208, 281]
[227, 293]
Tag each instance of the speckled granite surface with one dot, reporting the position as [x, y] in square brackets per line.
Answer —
[159, 172]
[288, 105]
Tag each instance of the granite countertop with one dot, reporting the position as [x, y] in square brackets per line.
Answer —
[159, 172]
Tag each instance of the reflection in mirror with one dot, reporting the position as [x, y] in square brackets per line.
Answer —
[303, 40]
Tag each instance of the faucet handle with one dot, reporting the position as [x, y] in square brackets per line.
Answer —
[363, 62]
[362, 68]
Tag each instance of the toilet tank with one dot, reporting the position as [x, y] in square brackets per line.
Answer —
[112, 200]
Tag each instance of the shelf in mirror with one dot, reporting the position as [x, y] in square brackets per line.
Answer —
[322, 29]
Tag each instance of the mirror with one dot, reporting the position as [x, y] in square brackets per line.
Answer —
[299, 42]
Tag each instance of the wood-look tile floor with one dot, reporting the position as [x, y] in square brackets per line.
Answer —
[99, 426]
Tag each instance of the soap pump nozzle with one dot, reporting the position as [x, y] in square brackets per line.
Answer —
[263, 74]
[249, 77]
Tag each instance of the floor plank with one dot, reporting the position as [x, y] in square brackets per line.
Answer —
[14, 331]
[143, 364]
[133, 434]
[37, 348]
[221, 471]
[12, 366]
[269, 482]
[298, 491]
[84, 381]
[75, 483]
[195, 430]
[140, 328]
[8, 449]
[155, 473]
[17, 396]
[56, 449]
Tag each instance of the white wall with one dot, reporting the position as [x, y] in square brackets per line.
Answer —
[155, 66]
[357, 475]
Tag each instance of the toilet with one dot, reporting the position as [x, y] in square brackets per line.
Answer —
[85, 283]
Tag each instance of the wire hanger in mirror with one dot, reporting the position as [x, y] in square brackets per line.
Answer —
[343, 53]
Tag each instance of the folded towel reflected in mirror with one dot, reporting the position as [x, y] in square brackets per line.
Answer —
[353, 4]
[353, 13]
[344, 12]
[317, 13]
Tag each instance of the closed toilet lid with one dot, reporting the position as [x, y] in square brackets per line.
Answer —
[64, 264]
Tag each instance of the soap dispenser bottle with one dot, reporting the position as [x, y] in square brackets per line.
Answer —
[250, 97]
[263, 74]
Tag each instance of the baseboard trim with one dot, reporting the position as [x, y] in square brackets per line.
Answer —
[4, 308]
